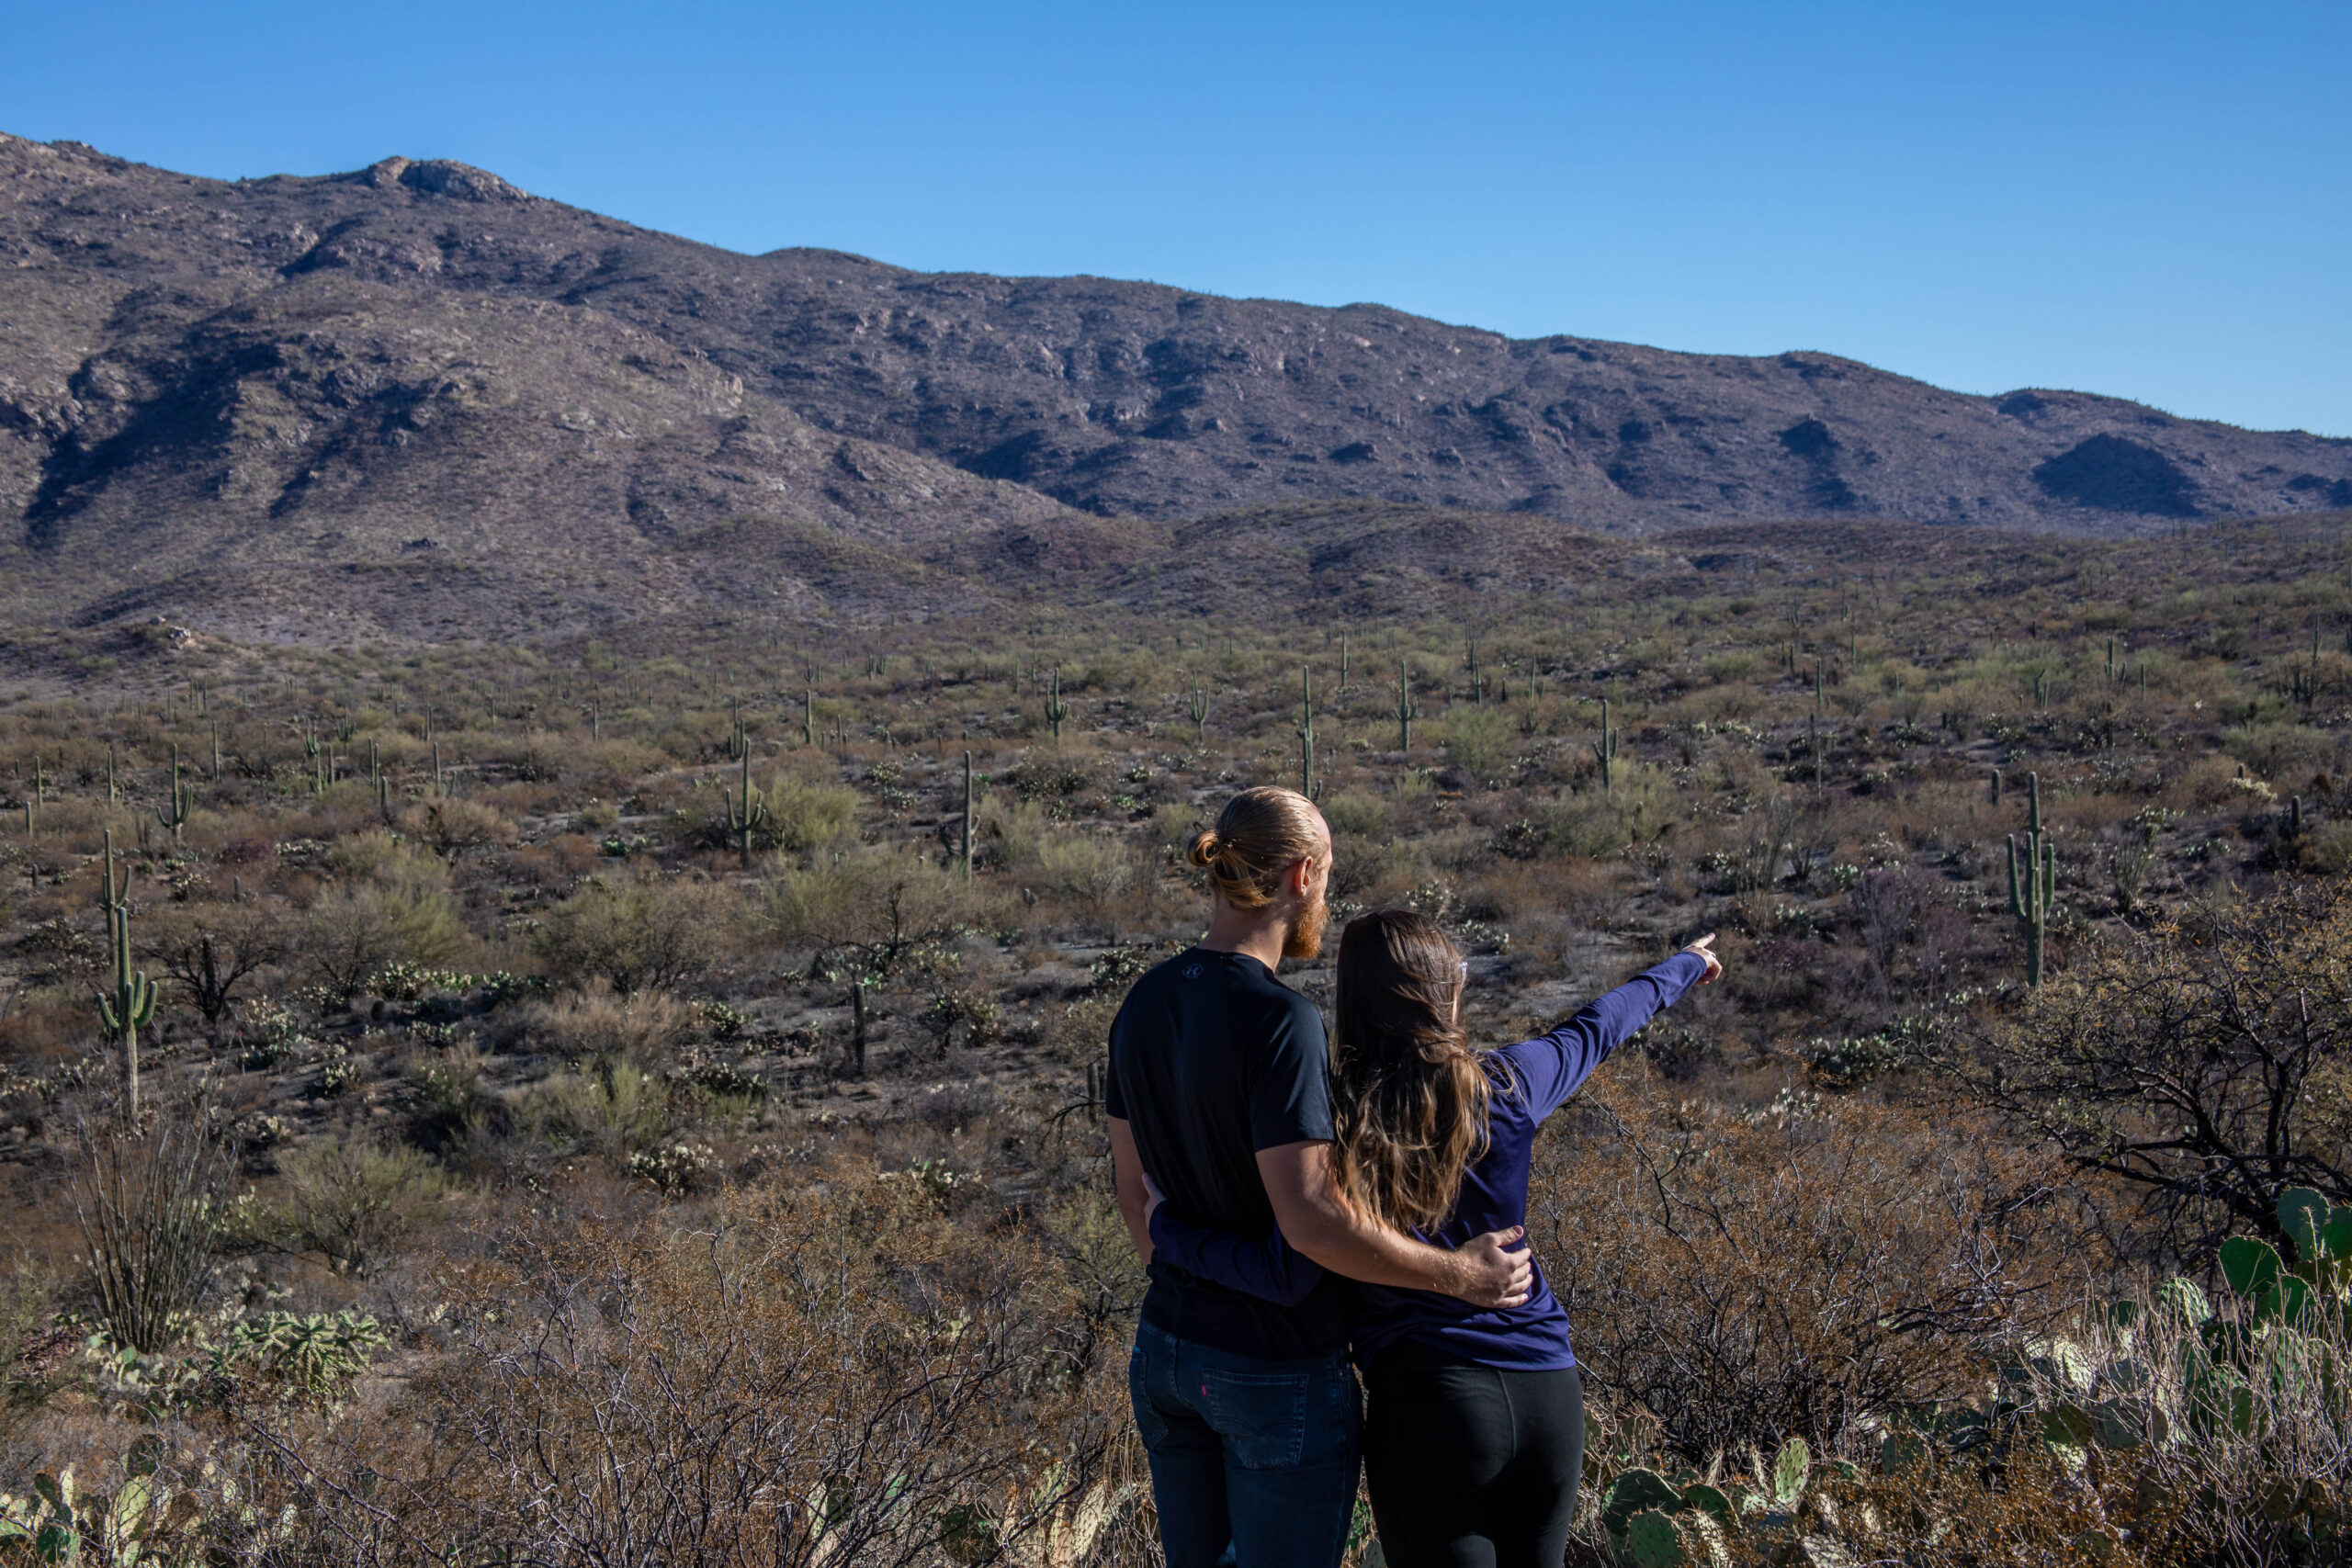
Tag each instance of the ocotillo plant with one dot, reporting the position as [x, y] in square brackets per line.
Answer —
[110, 786]
[1407, 709]
[746, 817]
[1604, 750]
[125, 1009]
[1057, 710]
[216, 751]
[1343, 661]
[40, 783]
[173, 814]
[1812, 744]
[1306, 733]
[2031, 889]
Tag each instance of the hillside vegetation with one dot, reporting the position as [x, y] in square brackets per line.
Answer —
[595, 1107]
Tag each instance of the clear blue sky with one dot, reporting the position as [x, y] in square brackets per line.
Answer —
[2150, 200]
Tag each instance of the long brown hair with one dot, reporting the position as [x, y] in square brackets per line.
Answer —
[1410, 1096]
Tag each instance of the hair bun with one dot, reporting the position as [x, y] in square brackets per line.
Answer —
[1207, 846]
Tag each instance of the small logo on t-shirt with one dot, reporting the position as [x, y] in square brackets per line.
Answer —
[1193, 971]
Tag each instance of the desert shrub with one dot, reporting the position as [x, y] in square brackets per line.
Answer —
[870, 918]
[355, 930]
[394, 905]
[351, 1202]
[612, 1106]
[1750, 1276]
[450, 1104]
[2282, 751]
[1480, 740]
[595, 1023]
[1087, 868]
[810, 813]
[800, 815]
[1356, 813]
[214, 949]
[781, 1392]
[2183, 1060]
[452, 827]
[633, 934]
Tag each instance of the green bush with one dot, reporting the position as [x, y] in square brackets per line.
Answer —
[635, 935]
[351, 1202]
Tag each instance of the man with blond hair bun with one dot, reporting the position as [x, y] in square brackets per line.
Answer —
[1248, 1407]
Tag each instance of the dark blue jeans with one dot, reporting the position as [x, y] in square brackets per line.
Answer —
[1253, 1462]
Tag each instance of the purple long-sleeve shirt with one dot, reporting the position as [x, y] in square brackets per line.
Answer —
[1533, 1079]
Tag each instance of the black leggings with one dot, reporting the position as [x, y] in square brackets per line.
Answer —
[1470, 1467]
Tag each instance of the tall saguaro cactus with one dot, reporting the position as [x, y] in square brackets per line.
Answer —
[1306, 733]
[125, 1008]
[1407, 709]
[1199, 708]
[173, 813]
[1057, 710]
[747, 816]
[968, 817]
[2031, 886]
[1604, 750]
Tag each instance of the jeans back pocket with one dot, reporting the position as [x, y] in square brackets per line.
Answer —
[1261, 1416]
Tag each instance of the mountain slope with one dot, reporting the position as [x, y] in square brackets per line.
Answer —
[418, 371]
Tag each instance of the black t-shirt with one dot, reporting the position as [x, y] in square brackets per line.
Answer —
[1213, 1059]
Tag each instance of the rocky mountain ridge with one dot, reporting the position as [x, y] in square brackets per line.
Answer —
[417, 363]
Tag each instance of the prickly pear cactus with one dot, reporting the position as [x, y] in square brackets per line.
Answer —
[1652, 1541]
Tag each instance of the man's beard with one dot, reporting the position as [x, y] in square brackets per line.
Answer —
[1306, 939]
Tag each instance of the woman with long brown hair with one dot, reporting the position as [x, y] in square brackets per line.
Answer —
[1474, 1432]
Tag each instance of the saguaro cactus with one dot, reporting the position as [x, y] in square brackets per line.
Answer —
[1604, 750]
[1306, 733]
[749, 815]
[808, 715]
[125, 1008]
[173, 814]
[968, 817]
[1199, 708]
[1407, 709]
[2030, 888]
[1057, 710]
